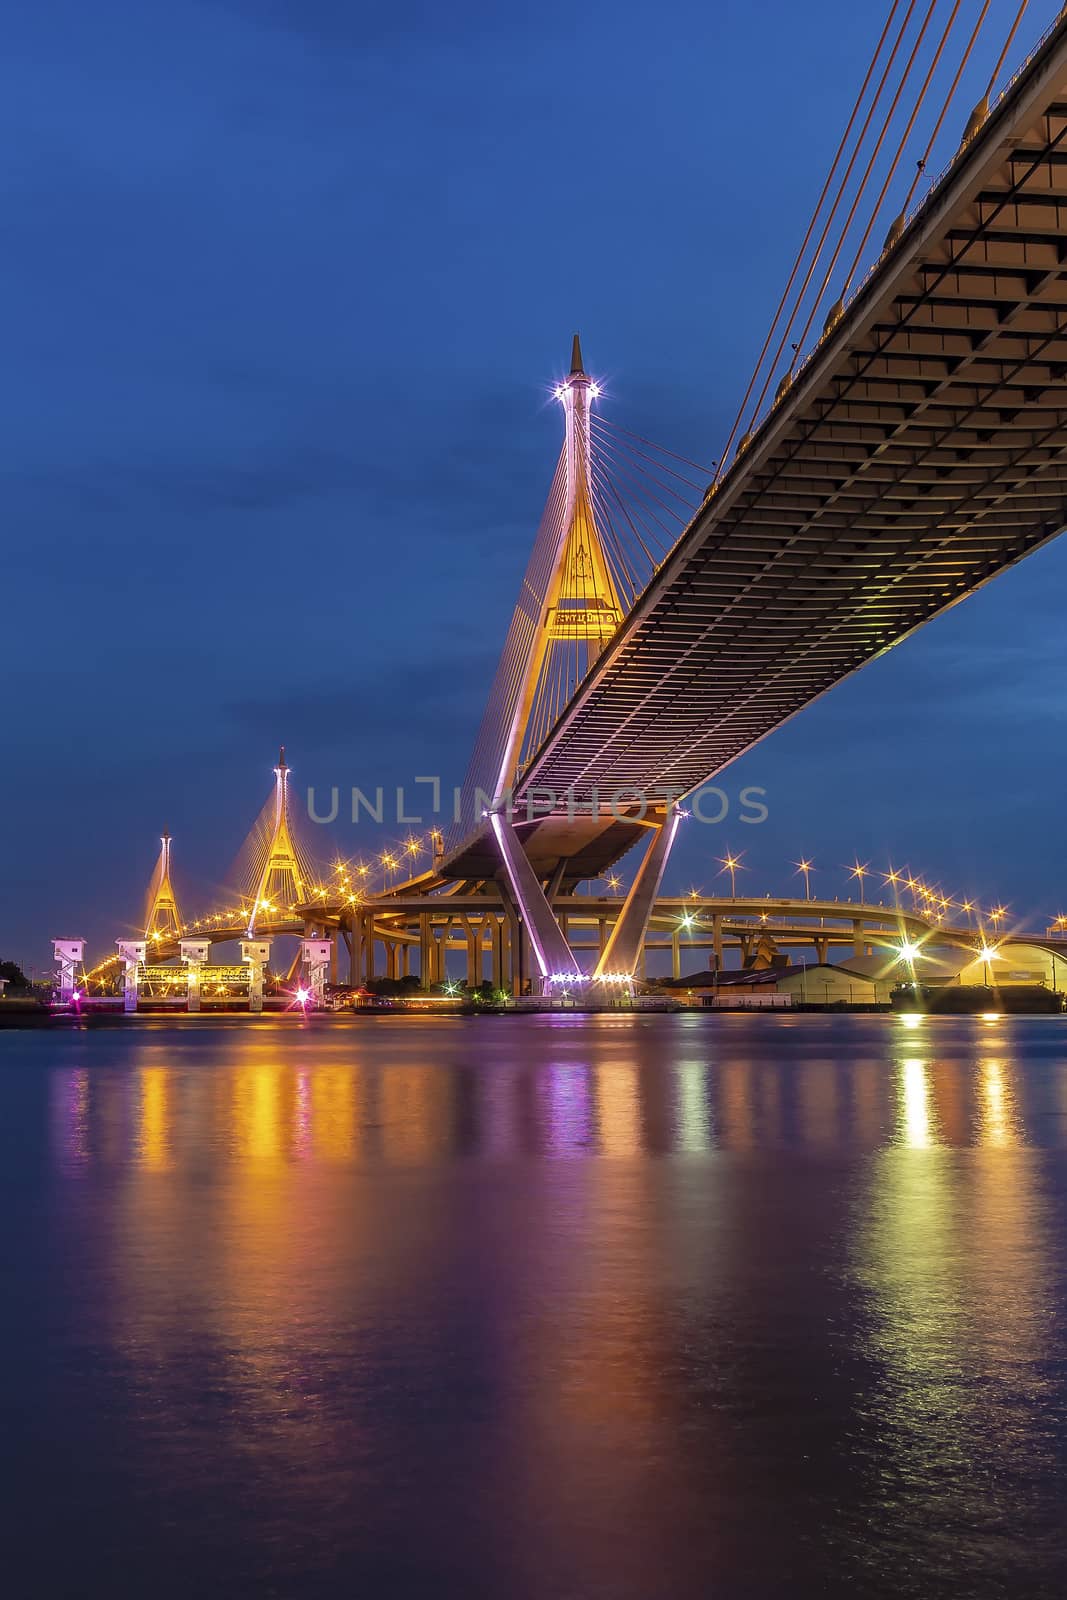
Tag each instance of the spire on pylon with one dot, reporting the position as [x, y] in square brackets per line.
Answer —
[162, 917]
[577, 369]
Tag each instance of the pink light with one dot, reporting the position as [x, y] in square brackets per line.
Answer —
[303, 996]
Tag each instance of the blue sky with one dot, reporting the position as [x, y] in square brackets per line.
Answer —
[285, 286]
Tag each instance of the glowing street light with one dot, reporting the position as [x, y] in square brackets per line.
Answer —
[731, 864]
[988, 953]
[860, 871]
[806, 868]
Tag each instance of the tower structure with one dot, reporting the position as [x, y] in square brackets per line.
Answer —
[162, 917]
[281, 878]
[579, 607]
[568, 611]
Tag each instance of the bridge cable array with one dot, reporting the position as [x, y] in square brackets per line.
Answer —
[875, 114]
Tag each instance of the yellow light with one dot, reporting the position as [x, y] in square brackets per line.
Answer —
[990, 1016]
[988, 952]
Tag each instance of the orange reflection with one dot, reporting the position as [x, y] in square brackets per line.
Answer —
[618, 1113]
[334, 1107]
[1000, 1125]
[153, 1140]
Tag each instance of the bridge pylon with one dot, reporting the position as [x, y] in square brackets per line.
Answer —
[281, 877]
[569, 611]
[162, 917]
[580, 608]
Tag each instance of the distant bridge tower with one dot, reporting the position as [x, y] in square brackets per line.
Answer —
[162, 917]
[281, 878]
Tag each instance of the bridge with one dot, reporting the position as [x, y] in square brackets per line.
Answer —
[907, 458]
[357, 921]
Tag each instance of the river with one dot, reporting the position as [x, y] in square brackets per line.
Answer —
[554, 1306]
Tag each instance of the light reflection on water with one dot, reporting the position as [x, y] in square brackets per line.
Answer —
[621, 1306]
[345, 1099]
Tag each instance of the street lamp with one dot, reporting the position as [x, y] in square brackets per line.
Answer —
[731, 864]
[860, 872]
[806, 868]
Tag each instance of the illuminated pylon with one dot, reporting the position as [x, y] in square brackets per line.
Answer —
[580, 609]
[280, 881]
[162, 917]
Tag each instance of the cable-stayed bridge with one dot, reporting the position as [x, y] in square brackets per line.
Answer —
[912, 454]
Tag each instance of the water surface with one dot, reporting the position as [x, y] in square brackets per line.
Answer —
[560, 1306]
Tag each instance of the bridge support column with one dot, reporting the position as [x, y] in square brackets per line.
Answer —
[496, 934]
[425, 950]
[858, 946]
[822, 947]
[194, 952]
[442, 951]
[69, 954]
[627, 939]
[474, 952]
[133, 953]
[716, 941]
[676, 955]
[255, 953]
[553, 956]
[316, 955]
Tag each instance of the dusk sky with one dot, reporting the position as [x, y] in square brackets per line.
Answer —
[287, 283]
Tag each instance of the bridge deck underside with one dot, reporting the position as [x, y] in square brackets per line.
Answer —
[920, 452]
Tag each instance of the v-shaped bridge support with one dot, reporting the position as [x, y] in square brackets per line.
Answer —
[556, 960]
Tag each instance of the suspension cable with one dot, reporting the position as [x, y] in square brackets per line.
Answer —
[1007, 46]
[814, 218]
[920, 165]
[905, 136]
[828, 224]
[870, 167]
[660, 449]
